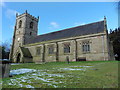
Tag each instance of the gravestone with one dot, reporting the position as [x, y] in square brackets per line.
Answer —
[5, 68]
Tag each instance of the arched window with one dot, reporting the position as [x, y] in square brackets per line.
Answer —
[67, 48]
[31, 24]
[20, 24]
[86, 47]
[51, 49]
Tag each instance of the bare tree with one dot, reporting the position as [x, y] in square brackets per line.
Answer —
[4, 50]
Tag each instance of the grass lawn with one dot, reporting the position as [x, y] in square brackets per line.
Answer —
[89, 74]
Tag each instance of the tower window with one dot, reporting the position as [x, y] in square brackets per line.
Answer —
[31, 25]
[20, 24]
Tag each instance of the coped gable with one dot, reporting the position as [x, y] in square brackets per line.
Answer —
[87, 29]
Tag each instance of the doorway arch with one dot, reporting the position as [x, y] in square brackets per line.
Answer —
[18, 58]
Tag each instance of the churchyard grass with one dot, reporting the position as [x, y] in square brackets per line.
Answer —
[88, 74]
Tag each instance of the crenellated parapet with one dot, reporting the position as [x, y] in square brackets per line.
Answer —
[28, 15]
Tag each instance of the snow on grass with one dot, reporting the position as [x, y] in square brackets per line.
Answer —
[49, 75]
[27, 79]
[71, 69]
[37, 75]
[18, 81]
[21, 71]
[0, 82]
[52, 75]
[15, 63]
[82, 66]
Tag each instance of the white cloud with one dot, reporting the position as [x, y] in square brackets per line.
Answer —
[10, 13]
[54, 25]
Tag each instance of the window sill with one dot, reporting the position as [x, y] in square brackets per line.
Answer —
[51, 54]
[86, 52]
[67, 53]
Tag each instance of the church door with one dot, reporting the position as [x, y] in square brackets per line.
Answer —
[18, 58]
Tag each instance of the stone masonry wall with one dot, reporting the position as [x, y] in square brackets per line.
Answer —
[98, 49]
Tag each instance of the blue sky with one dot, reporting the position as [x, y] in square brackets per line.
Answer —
[59, 15]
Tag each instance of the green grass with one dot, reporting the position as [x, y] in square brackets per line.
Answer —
[101, 74]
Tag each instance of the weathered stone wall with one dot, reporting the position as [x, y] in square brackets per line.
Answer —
[23, 34]
[98, 49]
[62, 55]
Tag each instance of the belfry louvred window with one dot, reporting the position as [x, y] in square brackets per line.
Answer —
[31, 25]
[20, 24]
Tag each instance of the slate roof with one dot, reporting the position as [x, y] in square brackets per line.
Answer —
[87, 29]
[26, 52]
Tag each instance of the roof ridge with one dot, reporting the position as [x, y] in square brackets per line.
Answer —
[70, 28]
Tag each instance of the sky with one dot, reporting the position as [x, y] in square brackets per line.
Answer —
[56, 16]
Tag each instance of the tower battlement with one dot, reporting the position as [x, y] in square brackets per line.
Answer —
[27, 14]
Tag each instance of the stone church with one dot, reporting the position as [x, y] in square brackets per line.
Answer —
[88, 42]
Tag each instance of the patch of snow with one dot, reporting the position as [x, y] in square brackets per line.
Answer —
[36, 75]
[23, 80]
[81, 66]
[18, 81]
[55, 86]
[29, 86]
[20, 85]
[10, 84]
[44, 73]
[51, 75]
[15, 63]
[45, 80]
[71, 69]
[60, 82]
[21, 71]
[1, 83]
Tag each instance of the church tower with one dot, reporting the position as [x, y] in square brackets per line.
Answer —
[26, 28]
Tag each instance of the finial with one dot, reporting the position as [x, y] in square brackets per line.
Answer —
[105, 24]
[38, 17]
[16, 14]
[26, 11]
[105, 20]
[104, 17]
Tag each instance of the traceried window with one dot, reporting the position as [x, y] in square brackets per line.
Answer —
[67, 48]
[20, 24]
[86, 46]
[51, 49]
[38, 50]
[31, 25]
